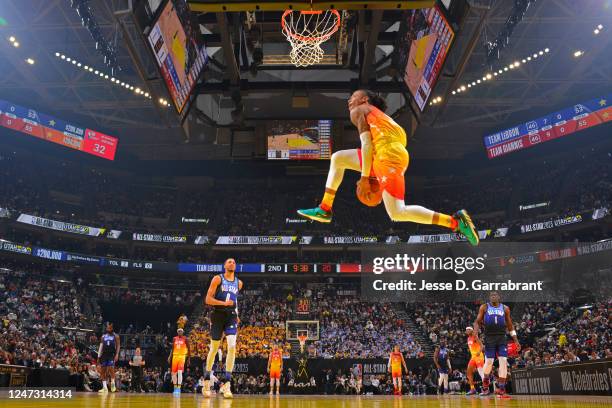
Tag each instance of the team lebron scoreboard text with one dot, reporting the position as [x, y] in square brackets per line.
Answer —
[46, 127]
[552, 126]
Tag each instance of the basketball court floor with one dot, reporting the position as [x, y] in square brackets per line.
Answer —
[123, 400]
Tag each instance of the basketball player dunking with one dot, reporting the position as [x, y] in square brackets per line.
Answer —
[395, 364]
[496, 319]
[443, 364]
[476, 361]
[382, 155]
[222, 295]
[178, 355]
[108, 355]
[275, 368]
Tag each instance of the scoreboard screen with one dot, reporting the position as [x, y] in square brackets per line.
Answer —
[299, 139]
[46, 127]
[423, 42]
[179, 52]
[552, 126]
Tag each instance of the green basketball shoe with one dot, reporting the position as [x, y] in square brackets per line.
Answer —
[316, 214]
[466, 227]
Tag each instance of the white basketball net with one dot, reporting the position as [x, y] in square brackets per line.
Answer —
[306, 31]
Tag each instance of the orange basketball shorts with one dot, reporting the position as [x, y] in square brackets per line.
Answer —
[476, 362]
[178, 363]
[275, 373]
[389, 165]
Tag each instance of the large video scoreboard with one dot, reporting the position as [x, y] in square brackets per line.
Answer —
[552, 126]
[58, 131]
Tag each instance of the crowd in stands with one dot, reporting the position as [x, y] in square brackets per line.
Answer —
[71, 191]
[353, 328]
[42, 314]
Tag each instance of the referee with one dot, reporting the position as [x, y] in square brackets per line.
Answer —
[137, 363]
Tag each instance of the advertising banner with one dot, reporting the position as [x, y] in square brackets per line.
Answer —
[584, 378]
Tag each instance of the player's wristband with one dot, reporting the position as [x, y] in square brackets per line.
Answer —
[513, 333]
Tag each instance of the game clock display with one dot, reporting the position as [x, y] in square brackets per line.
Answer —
[46, 127]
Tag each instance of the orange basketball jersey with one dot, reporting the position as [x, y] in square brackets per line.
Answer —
[179, 346]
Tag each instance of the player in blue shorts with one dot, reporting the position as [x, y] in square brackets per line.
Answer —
[222, 295]
[443, 364]
[108, 354]
[495, 317]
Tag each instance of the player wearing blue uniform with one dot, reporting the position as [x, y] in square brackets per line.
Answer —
[495, 317]
[108, 354]
[443, 364]
[222, 295]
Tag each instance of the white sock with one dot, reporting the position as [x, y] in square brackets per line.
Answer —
[104, 385]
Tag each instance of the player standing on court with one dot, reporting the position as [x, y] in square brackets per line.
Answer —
[442, 361]
[383, 155]
[396, 361]
[222, 295]
[275, 368]
[496, 319]
[178, 355]
[108, 355]
[477, 359]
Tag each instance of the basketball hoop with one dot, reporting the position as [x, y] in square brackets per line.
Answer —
[306, 31]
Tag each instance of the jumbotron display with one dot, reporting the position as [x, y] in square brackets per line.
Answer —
[299, 139]
[424, 41]
[46, 127]
[552, 126]
[180, 55]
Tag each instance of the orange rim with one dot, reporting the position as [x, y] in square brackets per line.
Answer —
[307, 38]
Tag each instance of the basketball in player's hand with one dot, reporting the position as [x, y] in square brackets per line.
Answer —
[369, 191]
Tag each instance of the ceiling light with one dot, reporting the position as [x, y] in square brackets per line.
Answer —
[516, 63]
[488, 76]
[541, 52]
[12, 39]
[524, 60]
[595, 31]
[30, 61]
[63, 56]
[79, 65]
[528, 58]
[91, 69]
[535, 55]
[74, 62]
[57, 54]
[578, 53]
[15, 44]
[454, 92]
[147, 94]
[599, 27]
[478, 81]
[546, 49]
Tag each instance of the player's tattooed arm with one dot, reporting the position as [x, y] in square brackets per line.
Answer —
[358, 117]
[510, 326]
[117, 347]
[435, 357]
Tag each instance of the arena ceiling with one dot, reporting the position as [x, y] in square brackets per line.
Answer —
[452, 127]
